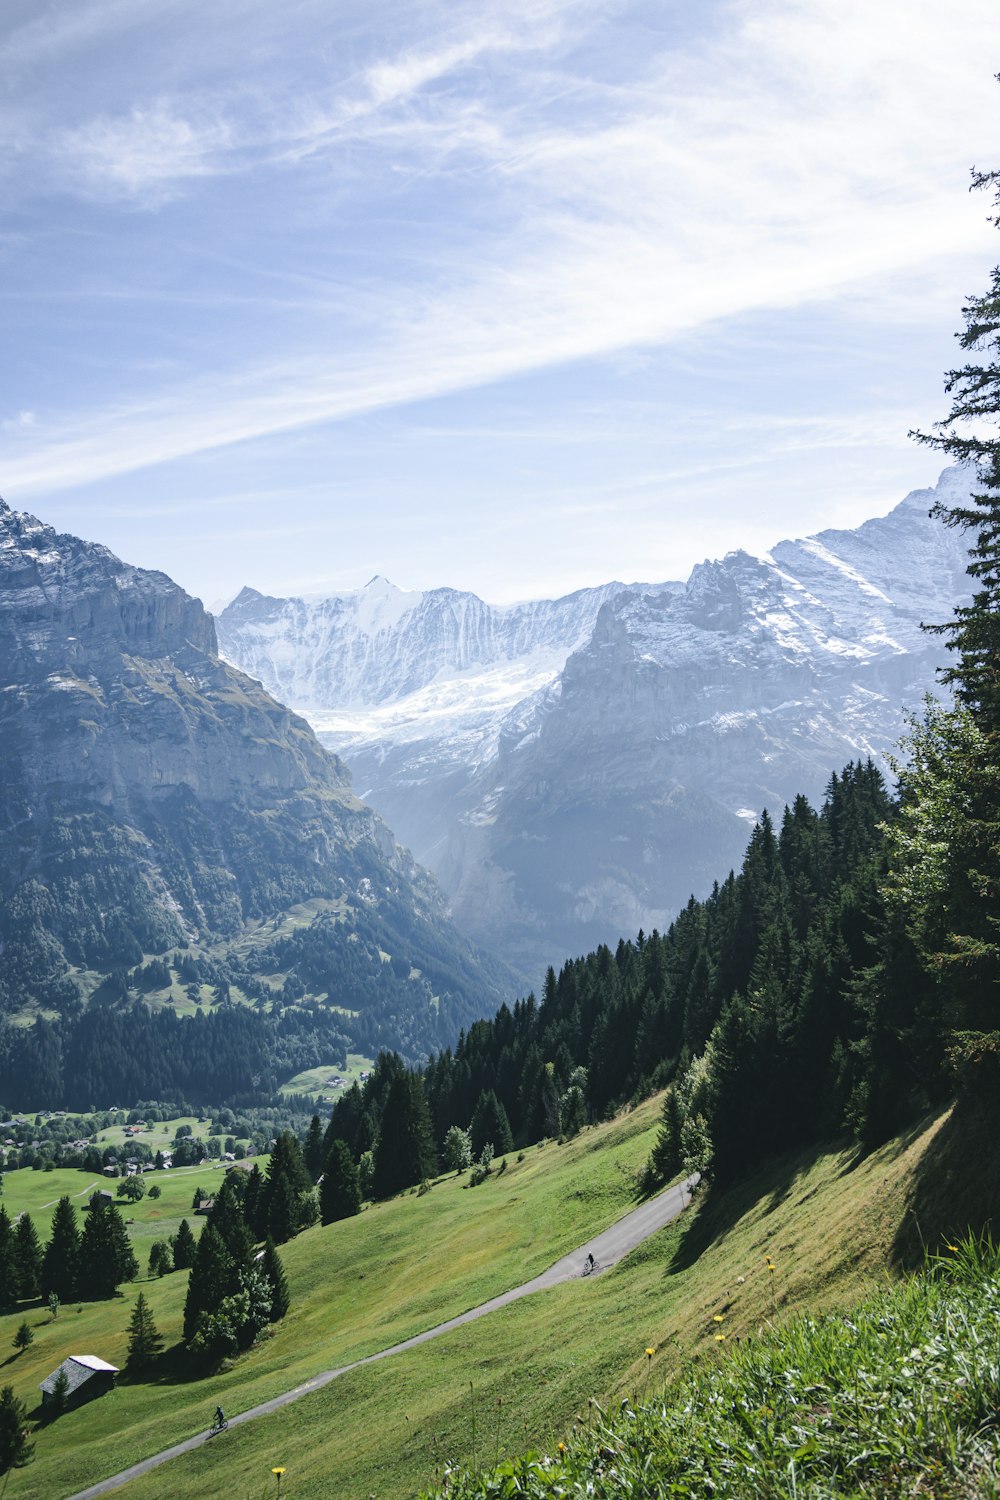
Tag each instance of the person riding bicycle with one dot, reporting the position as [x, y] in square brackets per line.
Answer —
[220, 1417]
[590, 1262]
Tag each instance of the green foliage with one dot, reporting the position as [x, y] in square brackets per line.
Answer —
[145, 1343]
[132, 1188]
[106, 1258]
[161, 1261]
[61, 1259]
[23, 1338]
[898, 1398]
[274, 1272]
[457, 1150]
[490, 1124]
[405, 1152]
[340, 1190]
[15, 1449]
[29, 1257]
[183, 1246]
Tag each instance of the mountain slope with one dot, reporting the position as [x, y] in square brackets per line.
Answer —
[154, 797]
[572, 770]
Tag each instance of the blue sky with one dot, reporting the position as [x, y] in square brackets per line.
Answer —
[517, 296]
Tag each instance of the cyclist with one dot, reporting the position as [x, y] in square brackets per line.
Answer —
[220, 1417]
[590, 1262]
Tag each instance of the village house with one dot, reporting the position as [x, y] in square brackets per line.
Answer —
[87, 1376]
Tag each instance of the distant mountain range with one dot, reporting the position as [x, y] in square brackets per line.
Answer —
[573, 769]
[155, 799]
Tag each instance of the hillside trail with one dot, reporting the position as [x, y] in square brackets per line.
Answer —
[608, 1247]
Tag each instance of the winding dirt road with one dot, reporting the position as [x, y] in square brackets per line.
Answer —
[607, 1248]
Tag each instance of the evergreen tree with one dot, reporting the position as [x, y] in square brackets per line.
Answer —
[405, 1152]
[23, 1338]
[228, 1222]
[15, 1449]
[283, 1207]
[213, 1277]
[9, 1278]
[60, 1261]
[274, 1271]
[106, 1258]
[340, 1190]
[161, 1262]
[968, 956]
[28, 1251]
[312, 1152]
[490, 1123]
[183, 1246]
[253, 1201]
[145, 1343]
[283, 1211]
[665, 1158]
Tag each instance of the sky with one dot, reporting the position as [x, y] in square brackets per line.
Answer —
[518, 296]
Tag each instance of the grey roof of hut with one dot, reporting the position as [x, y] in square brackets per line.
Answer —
[79, 1368]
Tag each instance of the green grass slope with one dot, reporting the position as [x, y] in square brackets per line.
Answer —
[518, 1378]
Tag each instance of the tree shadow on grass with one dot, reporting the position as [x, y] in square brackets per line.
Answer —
[720, 1208]
[955, 1185]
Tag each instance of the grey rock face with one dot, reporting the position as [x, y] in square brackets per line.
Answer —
[154, 795]
[567, 797]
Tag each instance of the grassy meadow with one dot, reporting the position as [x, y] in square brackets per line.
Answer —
[520, 1377]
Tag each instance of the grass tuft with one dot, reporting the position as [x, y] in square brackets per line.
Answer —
[900, 1397]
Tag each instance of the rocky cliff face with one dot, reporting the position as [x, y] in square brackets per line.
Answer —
[154, 796]
[566, 798]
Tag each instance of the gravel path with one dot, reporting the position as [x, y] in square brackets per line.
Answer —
[607, 1248]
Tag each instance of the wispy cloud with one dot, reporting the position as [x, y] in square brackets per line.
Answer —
[801, 149]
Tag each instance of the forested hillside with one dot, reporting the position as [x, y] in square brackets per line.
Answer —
[845, 979]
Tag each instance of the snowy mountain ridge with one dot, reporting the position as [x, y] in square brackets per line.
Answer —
[574, 768]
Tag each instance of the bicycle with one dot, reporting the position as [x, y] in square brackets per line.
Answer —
[589, 1267]
[218, 1427]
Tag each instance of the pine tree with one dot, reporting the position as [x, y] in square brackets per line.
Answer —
[60, 1261]
[274, 1271]
[15, 1449]
[106, 1258]
[23, 1338]
[405, 1153]
[228, 1222]
[212, 1278]
[9, 1278]
[340, 1190]
[28, 1251]
[183, 1246]
[312, 1152]
[490, 1123]
[145, 1343]
[968, 958]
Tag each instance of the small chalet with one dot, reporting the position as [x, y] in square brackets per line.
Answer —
[86, 1377]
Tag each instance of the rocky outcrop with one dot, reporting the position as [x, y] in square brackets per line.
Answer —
[153, 795]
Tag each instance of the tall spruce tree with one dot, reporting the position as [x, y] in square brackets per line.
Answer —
[405, 1152]
[15, 1449]
[183, 1246]
[274, 1272]
[340, 1189]
[490, 1124]
[145, 1342]
[60, 1261]
[10, 1281]
[106, 1258]
[213, 1278]
[28, 1251]
[969, 957]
